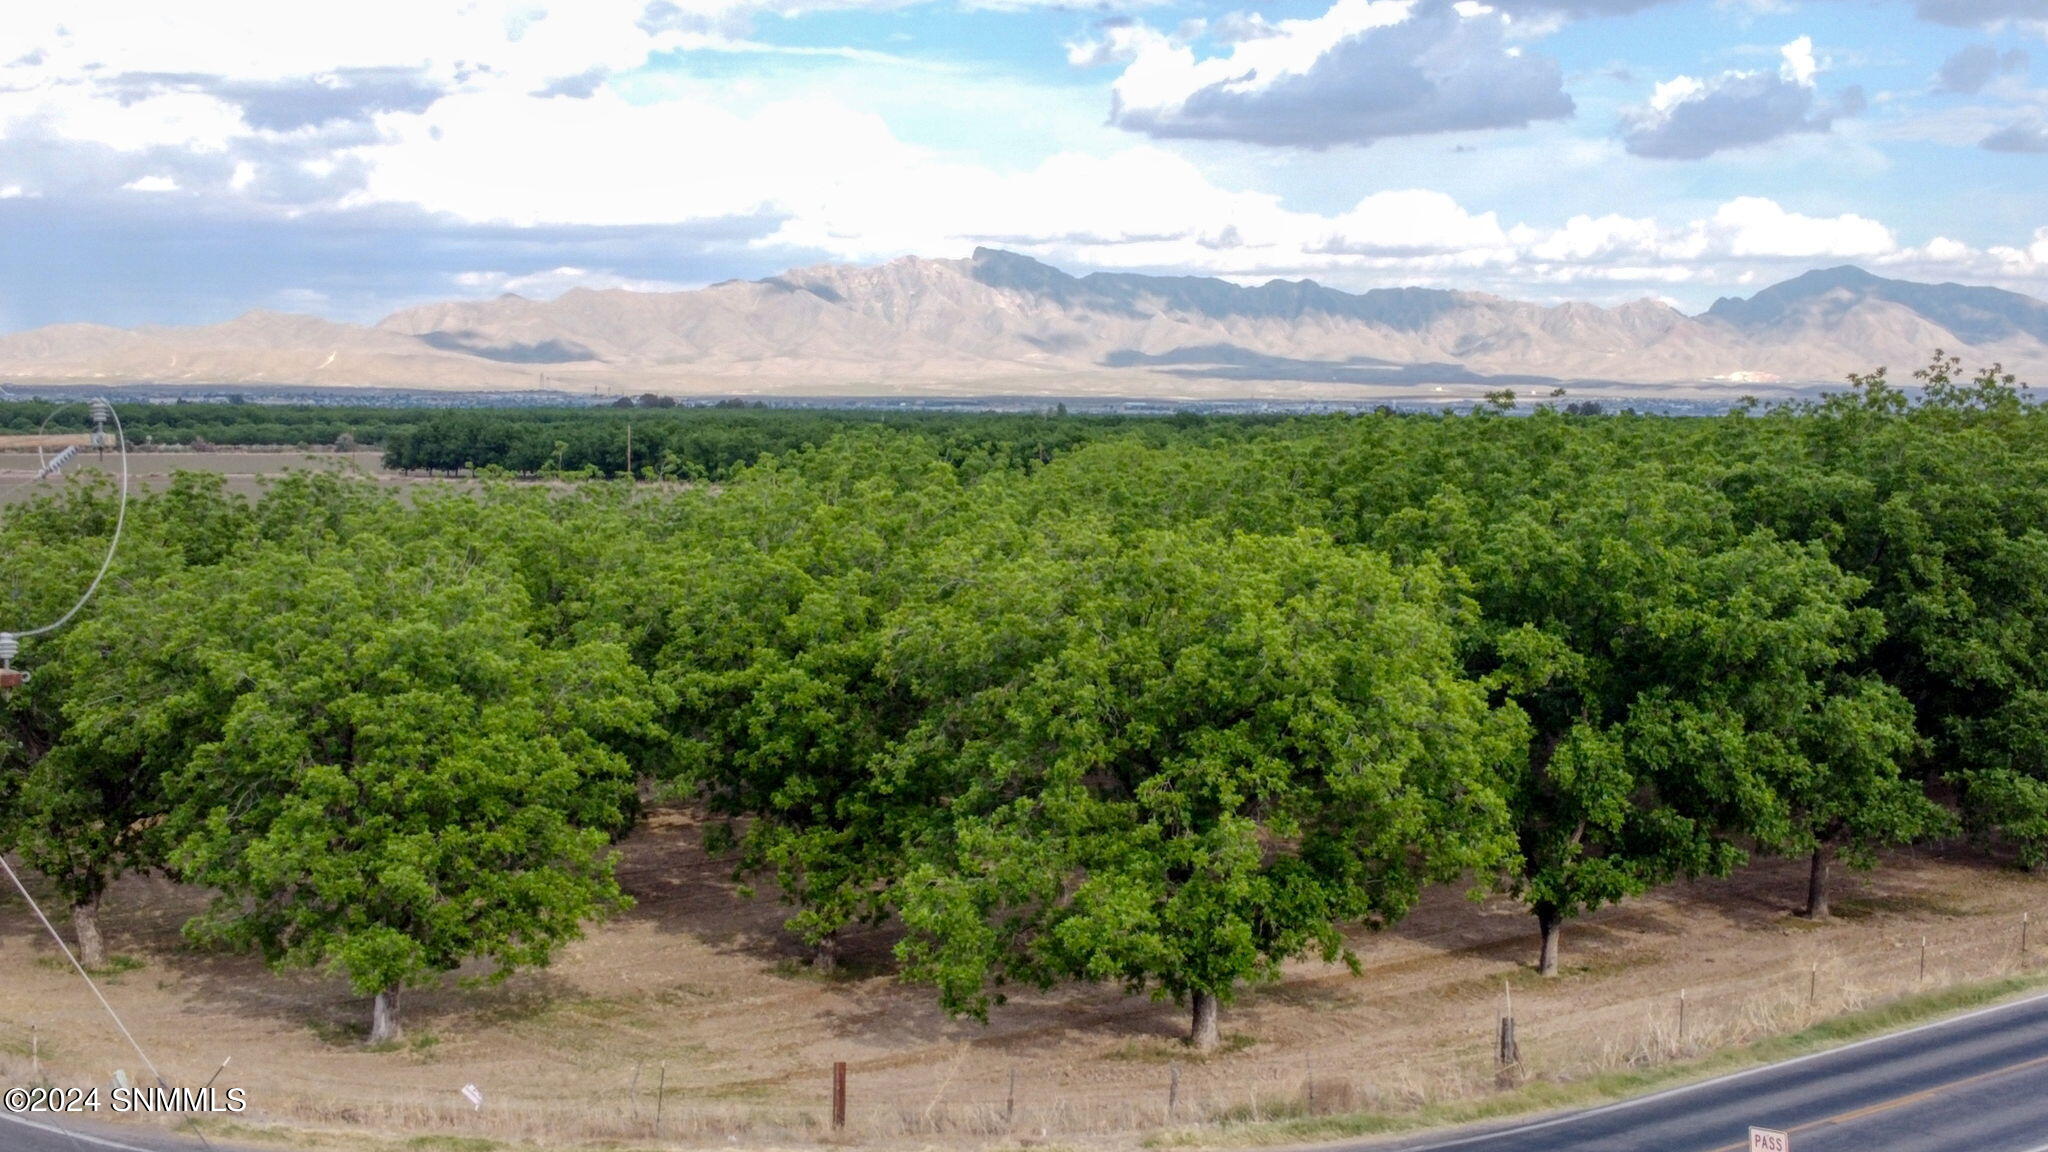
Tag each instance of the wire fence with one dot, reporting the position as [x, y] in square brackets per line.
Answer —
[1563, 1036]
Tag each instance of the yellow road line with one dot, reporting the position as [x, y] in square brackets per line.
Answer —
[1899, 1101]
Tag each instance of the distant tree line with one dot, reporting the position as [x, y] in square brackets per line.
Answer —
[669, 439]
[225, 424]
[1163, 705]
[657, 441]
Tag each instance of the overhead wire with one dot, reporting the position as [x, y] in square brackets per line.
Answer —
[113, 544]
[82, 973]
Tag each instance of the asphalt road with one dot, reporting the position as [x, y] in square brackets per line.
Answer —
[42, 1133]
[1974, 1083]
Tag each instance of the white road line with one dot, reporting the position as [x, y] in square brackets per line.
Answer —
[1667, 1093]
[75, 1137]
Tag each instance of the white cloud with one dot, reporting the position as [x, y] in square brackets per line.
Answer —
[1364, 70]
[1976, 65]
[843, 185]
[813, 175]
[1125, 42]
[1585, 239]
[2022, 266]
[517, 41]
[490, 156]
[1747, 228]
[1752, 226]
[1688, 118]
[555, 281]
[2018, 138]
[1984, 13]
[74, 112]
[1943, 249]
[1671, 93]
[1415, 222]
[265, 101]
[1798, 66]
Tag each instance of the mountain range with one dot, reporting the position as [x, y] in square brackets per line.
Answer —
[1000, 323]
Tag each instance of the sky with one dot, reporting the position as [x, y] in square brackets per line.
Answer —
[184, 163]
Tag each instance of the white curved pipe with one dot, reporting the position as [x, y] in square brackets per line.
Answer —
[113, 545]
[57, 463]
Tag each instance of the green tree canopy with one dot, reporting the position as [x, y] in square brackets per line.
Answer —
[1179, 760]
[403, 778]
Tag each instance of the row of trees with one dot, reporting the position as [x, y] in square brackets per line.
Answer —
[1164, 709]
[183, 423]
[710, 443]
[668, 440]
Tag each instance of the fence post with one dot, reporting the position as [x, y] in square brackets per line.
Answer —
[1813, 985]
[2024, 916]
[1508, 1057]
[838, 1095]
[1010, 1101]
[1681, 1015]
[660, 1091]
[35, 1052]
[1172, 1090]
[1923, 960]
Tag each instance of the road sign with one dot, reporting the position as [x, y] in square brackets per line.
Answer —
[1765, 1140]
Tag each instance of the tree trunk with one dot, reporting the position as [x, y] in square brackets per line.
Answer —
[1817, 885]
[1551, 925]
[1203, 1034]
[85, 921]
[384, 1027]
[825, 955]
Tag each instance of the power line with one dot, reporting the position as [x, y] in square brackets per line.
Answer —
[120, 520]
[10, 642]
[82, 973]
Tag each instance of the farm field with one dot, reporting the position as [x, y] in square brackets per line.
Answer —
[1009, 576]
[706, 983]
[1092, 760]
[244, 470]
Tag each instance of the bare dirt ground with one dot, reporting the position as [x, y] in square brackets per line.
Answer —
[696, 997]
[245, 470]
[16, 442]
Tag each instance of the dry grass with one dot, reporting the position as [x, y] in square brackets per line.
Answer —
[245, 469]
[30, 441]
[696, 1004]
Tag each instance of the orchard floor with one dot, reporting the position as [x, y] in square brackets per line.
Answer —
[696, 997]
[245, 470]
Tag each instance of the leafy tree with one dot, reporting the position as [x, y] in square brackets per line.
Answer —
[1176, 762]
[80, 799]
[1076, 697]
[1665, 664]
[1841, 780]
[404, 779]
[1941, 508]
[777, 704]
